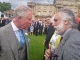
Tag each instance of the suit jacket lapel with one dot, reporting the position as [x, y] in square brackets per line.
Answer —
[12, 39]
[26, 40]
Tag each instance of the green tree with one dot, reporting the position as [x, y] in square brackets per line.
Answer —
[5, 6]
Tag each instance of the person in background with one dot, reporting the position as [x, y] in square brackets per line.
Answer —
[28, 30]
[13, 42]
[50, 31]
[31, 29]
[79, 26]
[8, 20]
[78, 22]
[36, 27]
[40, 28]
[55, 39]
[66, 26]
[2, 21]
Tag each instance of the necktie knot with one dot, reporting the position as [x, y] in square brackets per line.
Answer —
[61, 38]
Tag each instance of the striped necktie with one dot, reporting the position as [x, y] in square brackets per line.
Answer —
[20, 37]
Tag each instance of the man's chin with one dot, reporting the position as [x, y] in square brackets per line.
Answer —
[57, 32]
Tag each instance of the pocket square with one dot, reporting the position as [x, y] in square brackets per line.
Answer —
[54, 57]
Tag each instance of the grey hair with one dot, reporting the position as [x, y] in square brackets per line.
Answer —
[21, 11]
[68, 14]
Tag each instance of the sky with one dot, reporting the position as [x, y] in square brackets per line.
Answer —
[14, 3]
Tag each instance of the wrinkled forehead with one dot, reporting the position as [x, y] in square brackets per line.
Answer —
[58, 15]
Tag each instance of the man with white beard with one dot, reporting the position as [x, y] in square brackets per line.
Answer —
[69, 47]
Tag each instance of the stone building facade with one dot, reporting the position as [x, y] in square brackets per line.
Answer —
[40, 11]
[74, 5]
[9, 13]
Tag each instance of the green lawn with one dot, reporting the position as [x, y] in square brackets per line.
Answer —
[36, 47]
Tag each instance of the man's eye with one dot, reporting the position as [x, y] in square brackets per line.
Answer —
[55, 20]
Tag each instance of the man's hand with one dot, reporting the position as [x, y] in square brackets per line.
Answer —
[48, 53]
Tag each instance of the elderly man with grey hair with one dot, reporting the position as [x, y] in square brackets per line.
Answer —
[13, 42]
[69, 47]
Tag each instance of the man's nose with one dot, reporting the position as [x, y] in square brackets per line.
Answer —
[53, 24]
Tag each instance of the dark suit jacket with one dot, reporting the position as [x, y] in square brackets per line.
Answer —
[8, 43]
[2, 23]
[49, 34]
[69, 47]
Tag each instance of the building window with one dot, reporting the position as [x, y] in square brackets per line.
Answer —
[72, 3]
[39, 13]
[66, 3]
[38, 7]
[50, 8]
[50, 13]
[75, 13]
[59, 7]
[59, 2]
[73, 0]
[44, 13]
[44, 8]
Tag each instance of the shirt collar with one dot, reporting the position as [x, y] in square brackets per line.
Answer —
[14, 26]
[66, 32]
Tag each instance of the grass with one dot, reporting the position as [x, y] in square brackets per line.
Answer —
[36, 47]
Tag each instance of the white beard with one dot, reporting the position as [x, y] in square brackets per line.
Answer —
[60, 28]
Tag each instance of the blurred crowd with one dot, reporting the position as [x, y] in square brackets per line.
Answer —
[4, 21]
[39, 27]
